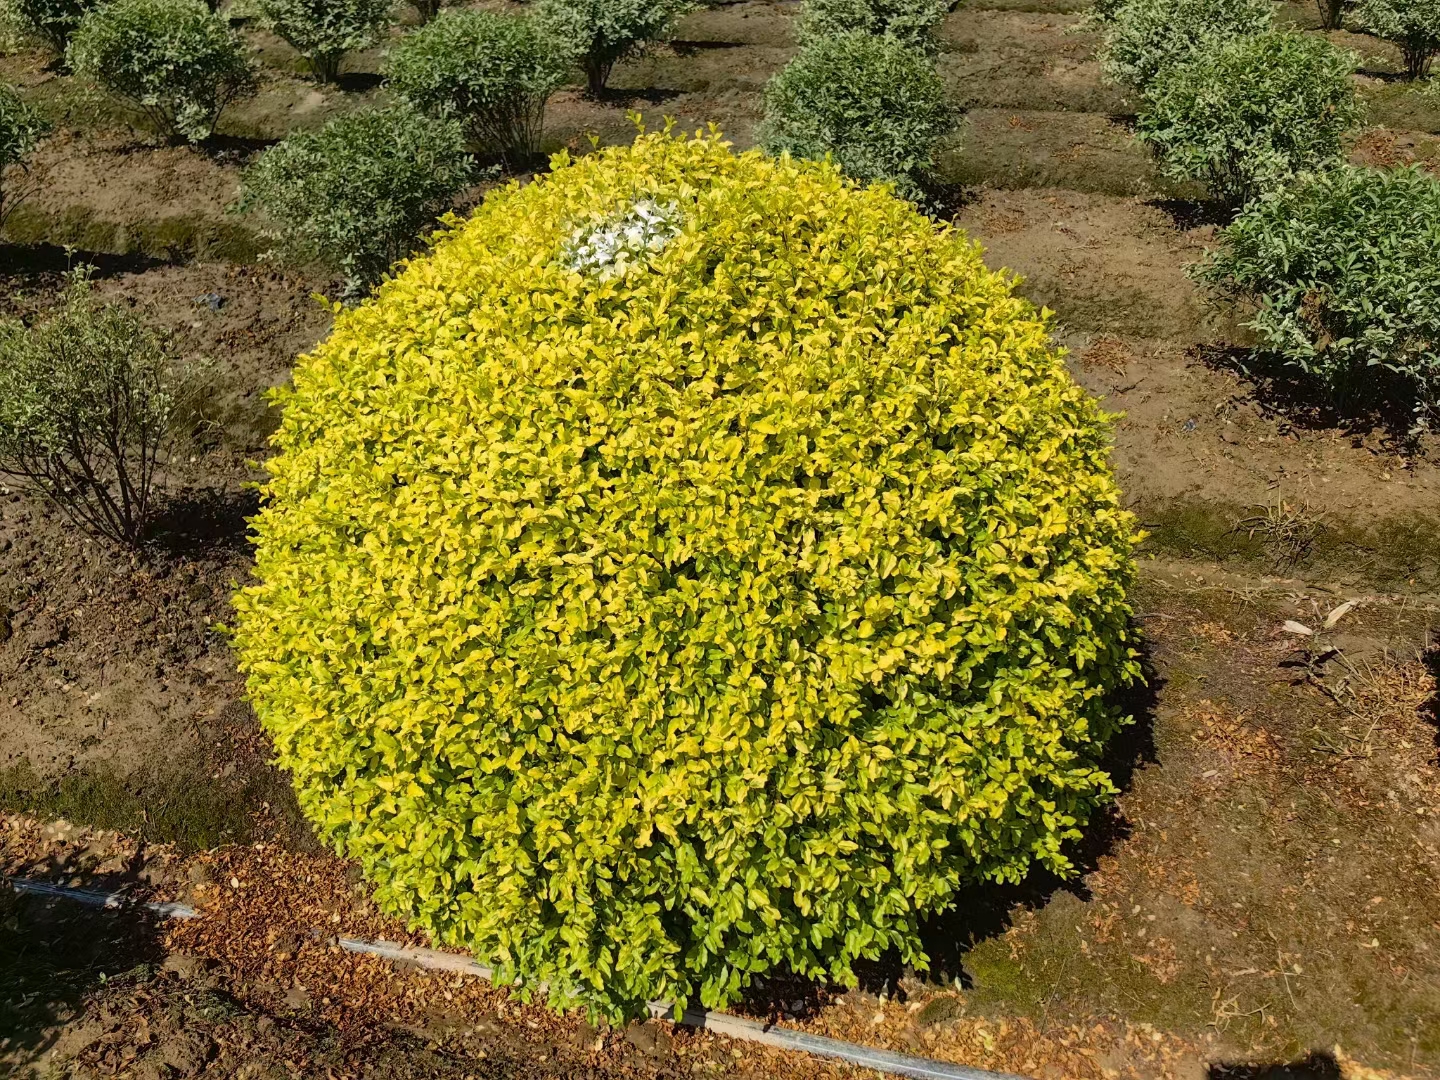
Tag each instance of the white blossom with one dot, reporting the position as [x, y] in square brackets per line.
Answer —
[615, 245]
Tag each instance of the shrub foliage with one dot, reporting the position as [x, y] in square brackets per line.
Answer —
[494, 72]
[1342, 277]
[872, 103]
[88, 403]
[695, 564]
[323, 31]
[910, 21]
[53, 21]
[21, 129]
[1414, 25]
[356, 194]
[1245, 116]
[601, 33]
[1144, 37]
[175, 60]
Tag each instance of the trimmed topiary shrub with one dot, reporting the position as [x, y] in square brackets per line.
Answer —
[493, 72]
[1342, 278]
[695, 564]
[21, 129]
[910, 21]
[1248, 115]
[53, 21]
[175, 60]
[601, 33]
[1146, 36]
[323, 31]
[356, 194]
[874, 105]
[1413, 25]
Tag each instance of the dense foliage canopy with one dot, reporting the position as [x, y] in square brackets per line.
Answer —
[695, 564]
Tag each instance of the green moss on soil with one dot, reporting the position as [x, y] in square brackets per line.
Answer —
[194, 236]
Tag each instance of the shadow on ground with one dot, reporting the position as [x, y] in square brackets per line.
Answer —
[53, 955]
[1374, 402]
[1317, 1066]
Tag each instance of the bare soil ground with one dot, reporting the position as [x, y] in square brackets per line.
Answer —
[1265, 890]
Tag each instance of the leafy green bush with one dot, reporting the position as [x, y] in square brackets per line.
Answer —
[910, 21]
[601, 33]
[323, 31]
[1249, 114]
[695, 564]
[175, 60]
[494, 72]
[356, 194]
[21, 129]
[1147, 36]
[53, 21]
[88, 403]
[1414, 25]
[873, 104]
[1342, 275]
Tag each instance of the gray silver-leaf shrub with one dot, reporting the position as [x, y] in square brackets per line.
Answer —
[873, 104]
[176, 61]
[89, 403]
[21, 129]
[1245, 116]
[601, 33]
[356, 195]
[1413, 25]
[323, 31]
[1147, 36]
[1340, 277]
[910, 21]
[493, 72]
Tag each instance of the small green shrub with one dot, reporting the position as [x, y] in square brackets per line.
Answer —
[1247, 115]
[323, 31]
[21, 129]
[356, 194]
[1413, 25]
[910, 21]
[1147, 36]
[1342, 275]
[175, 60]
[89, 400]
[601, 33]
[53, 21]
[695, 564]
[873, 104]
[494, 72]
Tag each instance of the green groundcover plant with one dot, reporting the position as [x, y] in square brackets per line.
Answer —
[356, 194]
[494, 72]
[1341, 276]
[695, 564]
[1245, 116]
[910, 21]
[175, 60]
[1413, 25]
[1144, 37]
[872, 103]
[323, 31]
[601, 33]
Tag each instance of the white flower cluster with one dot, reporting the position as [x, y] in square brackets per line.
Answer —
[614, 246]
